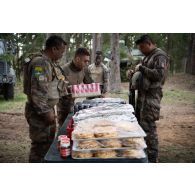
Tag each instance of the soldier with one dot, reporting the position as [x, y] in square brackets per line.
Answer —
[76, 73]
[149, 79]
[99, 73]
[42, 77]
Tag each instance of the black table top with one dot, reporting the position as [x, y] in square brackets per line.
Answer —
[53, 155]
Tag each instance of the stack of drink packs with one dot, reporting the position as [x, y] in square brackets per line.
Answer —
[85, 90]
[109, 130]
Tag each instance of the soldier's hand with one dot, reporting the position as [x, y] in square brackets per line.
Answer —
[50, 118]
[130, 73]
[137, 67]
[70, 98]
[69, 89]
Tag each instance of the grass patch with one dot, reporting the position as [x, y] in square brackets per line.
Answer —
[175, 96]
[169, 97]
[17, 103]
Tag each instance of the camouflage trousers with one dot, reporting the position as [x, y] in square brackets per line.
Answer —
[147, 112]
[151, 139]
[40, 133]
[64, 107]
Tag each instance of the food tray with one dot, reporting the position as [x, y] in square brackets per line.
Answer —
[133, 143]
[109, 154]
[92, 129]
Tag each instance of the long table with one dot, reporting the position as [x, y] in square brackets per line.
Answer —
[53, 155]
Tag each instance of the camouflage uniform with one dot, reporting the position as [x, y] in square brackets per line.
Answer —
[152, 77]
[41, 81]
[99, 74]
[74, 76]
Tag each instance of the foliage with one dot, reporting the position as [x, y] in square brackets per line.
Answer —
[7, 57]
[176, 44]
[123, 74]
[22, 44]
[123, 53]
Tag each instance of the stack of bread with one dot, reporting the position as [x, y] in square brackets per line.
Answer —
[109, 132]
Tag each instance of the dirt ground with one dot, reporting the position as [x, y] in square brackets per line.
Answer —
[176, 128]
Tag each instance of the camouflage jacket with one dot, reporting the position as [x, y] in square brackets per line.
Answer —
[153, 73]
[43, 78]
[76, 76]
[155, 67]
[99, 74]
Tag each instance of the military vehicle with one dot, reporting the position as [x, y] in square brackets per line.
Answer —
[7, 73]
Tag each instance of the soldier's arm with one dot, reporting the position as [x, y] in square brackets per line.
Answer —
[157, 73]
[87, 78]
[39, 86]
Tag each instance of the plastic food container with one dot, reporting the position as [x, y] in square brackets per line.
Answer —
[102, 144]
[109, 154]
[104, 129]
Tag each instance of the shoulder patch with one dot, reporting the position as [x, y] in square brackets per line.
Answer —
[39, 69]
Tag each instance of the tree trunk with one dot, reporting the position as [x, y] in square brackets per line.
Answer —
[115, 79]
[190, 67]
[193, 54]
[82, 39]
[63, 60]
[97, 44]
[49, 34]
[17, 60]
[169, 46]
[169, 42]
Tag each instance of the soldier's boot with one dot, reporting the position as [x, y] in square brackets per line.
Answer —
[38, 151]
[151, 140]
[152, 156]
[152, 147]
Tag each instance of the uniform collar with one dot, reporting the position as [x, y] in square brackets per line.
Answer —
[45, 56]
[73, 67]
[98, 65]
[152, 51]
[48, 59]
